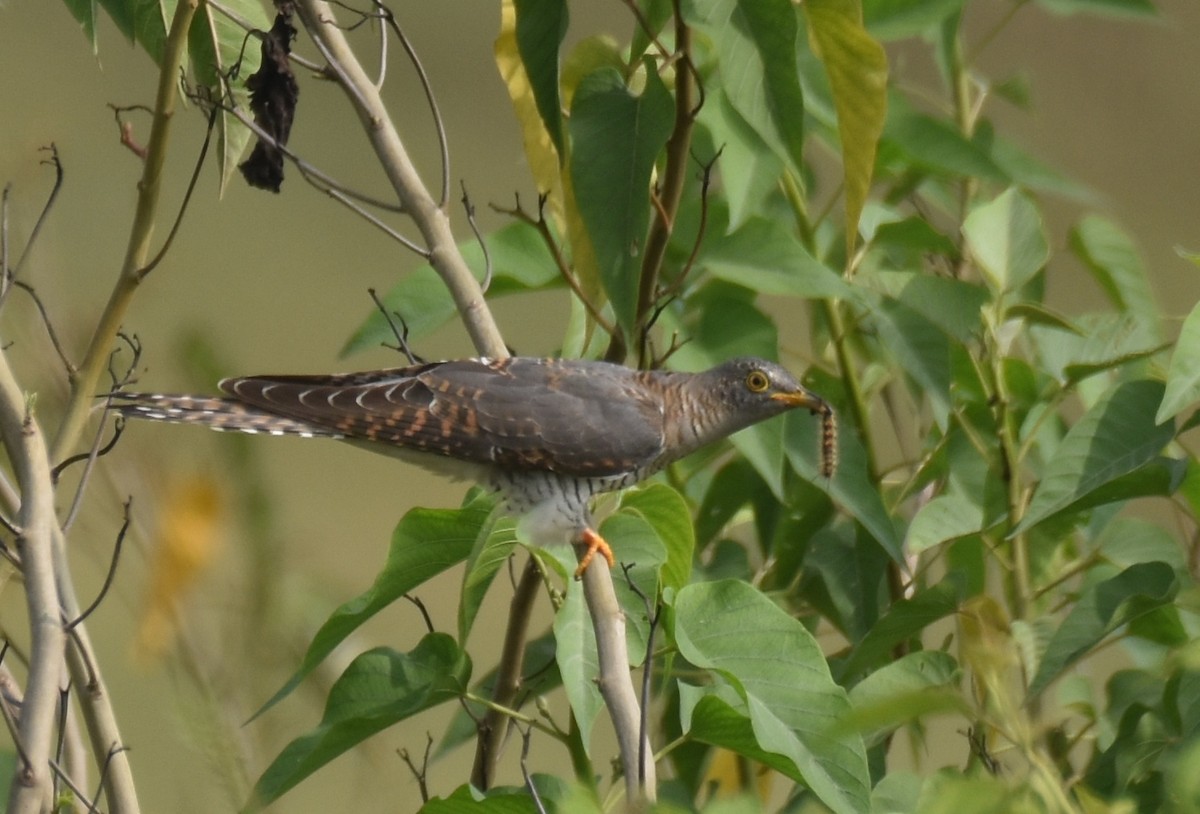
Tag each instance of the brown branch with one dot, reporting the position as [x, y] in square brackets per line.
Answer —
[494, 725]
[678, 155]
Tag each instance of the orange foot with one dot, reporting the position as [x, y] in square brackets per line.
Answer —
[595, 544]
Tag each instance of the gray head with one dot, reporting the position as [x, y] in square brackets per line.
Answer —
[736, 394]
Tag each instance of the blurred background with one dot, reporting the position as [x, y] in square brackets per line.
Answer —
[259, 283]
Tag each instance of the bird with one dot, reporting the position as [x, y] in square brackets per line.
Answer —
[545, 434]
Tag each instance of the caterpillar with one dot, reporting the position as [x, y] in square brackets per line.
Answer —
[829, 444]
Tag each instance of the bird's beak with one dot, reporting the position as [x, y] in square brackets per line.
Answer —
[802, 398]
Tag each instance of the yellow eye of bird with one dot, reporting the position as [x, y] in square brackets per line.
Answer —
[757, 381]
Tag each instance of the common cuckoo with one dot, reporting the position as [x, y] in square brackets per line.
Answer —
[546, 434]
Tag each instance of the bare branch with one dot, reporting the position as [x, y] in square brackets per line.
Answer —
[421, 774]
[430, 98]
[401, 332]
[614, 682]
[428, 216]
[112, 570]
[416, 600]
[187, 198]
[37, 301]
[10, 274]
[526, 737]
[27, 451]
[487, 256]
[494, 726]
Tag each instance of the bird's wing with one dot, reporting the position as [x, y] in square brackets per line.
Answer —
[569, 417]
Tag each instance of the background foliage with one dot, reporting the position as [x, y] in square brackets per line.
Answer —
[987, 532]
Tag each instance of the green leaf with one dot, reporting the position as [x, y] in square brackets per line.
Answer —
[903, 620]
[494, 545]
[756, 42]
[716, 722]
[1113, 260]
[921, 349]
[898, 19]
[640, 554]
[781, 675]
[520, 262]
[215, 44]
[765, 256]
[615, 137]
[380, 687]
[541, 27]
[950, 791]
[946, 517]
[1161, 477]
[1007, 238]
[1120, 9]
[1095, 343]
[425, 543]
[850, 487]
[1116, 436]
[466, 799]
[1183, 376]
[667, 513]
[910, 688]
[933, 144]
[84, 12]
[1101, 609]
[749, 169]
[575, 651]
[857, 68]
[1127, 541]
[952, 305]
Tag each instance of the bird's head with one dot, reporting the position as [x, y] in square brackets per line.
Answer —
[747, 390]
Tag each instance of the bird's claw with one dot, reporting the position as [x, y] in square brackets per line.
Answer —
[594, 544]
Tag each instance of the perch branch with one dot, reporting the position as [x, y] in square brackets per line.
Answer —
[83, 385]
[31, 788]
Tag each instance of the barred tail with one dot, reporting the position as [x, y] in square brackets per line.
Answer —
[226, 415]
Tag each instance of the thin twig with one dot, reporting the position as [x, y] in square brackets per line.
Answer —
[64, 699]
[430, 99]
[91, 457]
[50, 332]
[62, 774]
[564, 269]
[187, 197]
[706, 168]
[400, 333]
[4, 276]
[678, 149]
[508, 678]
[469, 207]
[416, 600]
[653, 613]
[53, 161]
[526, 737]
[345, 201]
[113, 751]
[10, 697]
[93, 453]
[316, 177]
[112, 570]
[9, 274]
[248, 27]
[421, 774]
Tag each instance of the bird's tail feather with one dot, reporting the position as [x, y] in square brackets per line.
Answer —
[214, 412]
